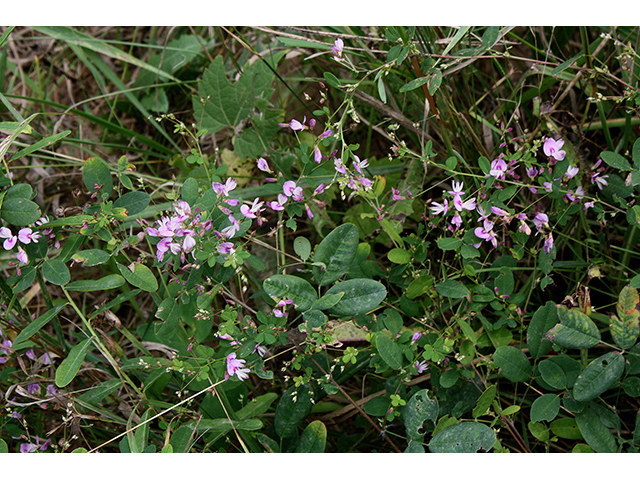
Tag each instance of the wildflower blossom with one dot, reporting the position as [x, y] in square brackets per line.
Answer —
[225, 248]
[395, 194]
[337, 49]
[231, 230]
[437, 208]
[415, 337]
[223, 190]
[326, 134]
[254, 210]
[317, 154]
[571, 172]
[422, 366]
[263, 165]
[319, 189]
[22, 256]
[234, 367]
[11, 239]
[338, 165]
[359, 164]
[486, 233]
[540, 220]
[295, 125]
[552, 148]
[292, 190]
[548, 244]
[498, 168]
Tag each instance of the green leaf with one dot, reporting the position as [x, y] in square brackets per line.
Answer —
[464, 437]
[45, 142]
[19, 211]
[331, 79]
[56, 272]
[513, 363]
[69, 367]
[599, 376]
[566, 428]
[105, 283]
[625, 327]
[552, 374]
[302, 247]
[33, 327]
[419, 409]
[98, 393]
[452, 289]
[545, 408]
[4, 448]
[399, 255]
[393, 321]
[134, 202]
[468, 331]
[361, 295]
[293, 288]
[595, 433]
[327, 301]
[313, 438]
[189, 191]
[314, 318]
[389, 351]
[293, 407]
[337, 251]
[91, 257]
[169, 312]
[141, 277]
[449, 243]
[616, 161]
[543, 320]
[96, 172]
[257, 406]
[415, 83]
[223, 425]
[575, 330]
[25, 280]
[485, 401]
[419, 286]
[636, 153]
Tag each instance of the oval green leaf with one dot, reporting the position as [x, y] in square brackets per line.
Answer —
[313, 438]
[96, 172]
[293, 407]
[615, 160]
[449, 243]
[389, 351]
[56, 272]
[599, 376]
[69, 367]
[141, 277]
[169, 311]
[293, 288]
[419, 409]
[543, 320]
[575, 330]
[399, 256]
[452, 289]
[91, 257]
[302, 247]
[31, 329]
[134, 202]
[465, 437]
[545, 408]
[104, 283]
[19, 211]
[595, 433]
[513, 363]
[337, 251]
[361, 295]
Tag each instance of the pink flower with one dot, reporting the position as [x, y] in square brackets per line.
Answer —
[326, 134]
[437, 208]
[263, 165]
[552, 148]
[22, 256]
[572, 171]
[295, 125]
[468, 204]
[416, 336]
[359, 165]
[182, 208]
[317, 154]
[223, 190]
[395, 194]
[276, 206]
[548, 244]
[319, 189]
[339, 166]
[292, 190]
[254, 210]
[26, 235]
[231, 230]
[234, 367]
[225, 248]
[337, 49]
[540, 220]
[308, 210]
[11, 239]
[486, 233]
[498, 168]
[421, 366]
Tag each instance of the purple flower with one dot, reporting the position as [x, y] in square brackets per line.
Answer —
[292, 190]
[437, 208]
[33, 389]
[395, 194]
[548, 244]
[337, 49]
[416, 336]
[572, 171]
[223, 190]
[22, 256]
[26, 236]
[11, 239]
[254, 210]
[317, 154]
[234, 367]
[225, 248]
[295, 125]
[326, 134]
[486, 233]
[421, 366]
[182, 208]
[552, 148]
[339, 166]
[359, 165]
[308, 210]
[319, 189]
[540, 219]
[276, 206]
[498, 168]
[263, 165]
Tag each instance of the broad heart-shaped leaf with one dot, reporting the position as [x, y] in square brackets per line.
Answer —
[513, 363]
[134, 202]
[69, 367]
[293, 407]
[419, 409]
[543, 320]
[293, 288]
[464, 437]
[169, 311]
[575, 330]
[104, 283]
[313, 439]
[595, 433]
[360, 296]
[36, 325]
[389, 351]
[141, 277]
[337, 251]
[56, 272]
[452, 289]
[19, 211]
[599, 376]
[96, 172]
[625, 327]
[545, 408]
